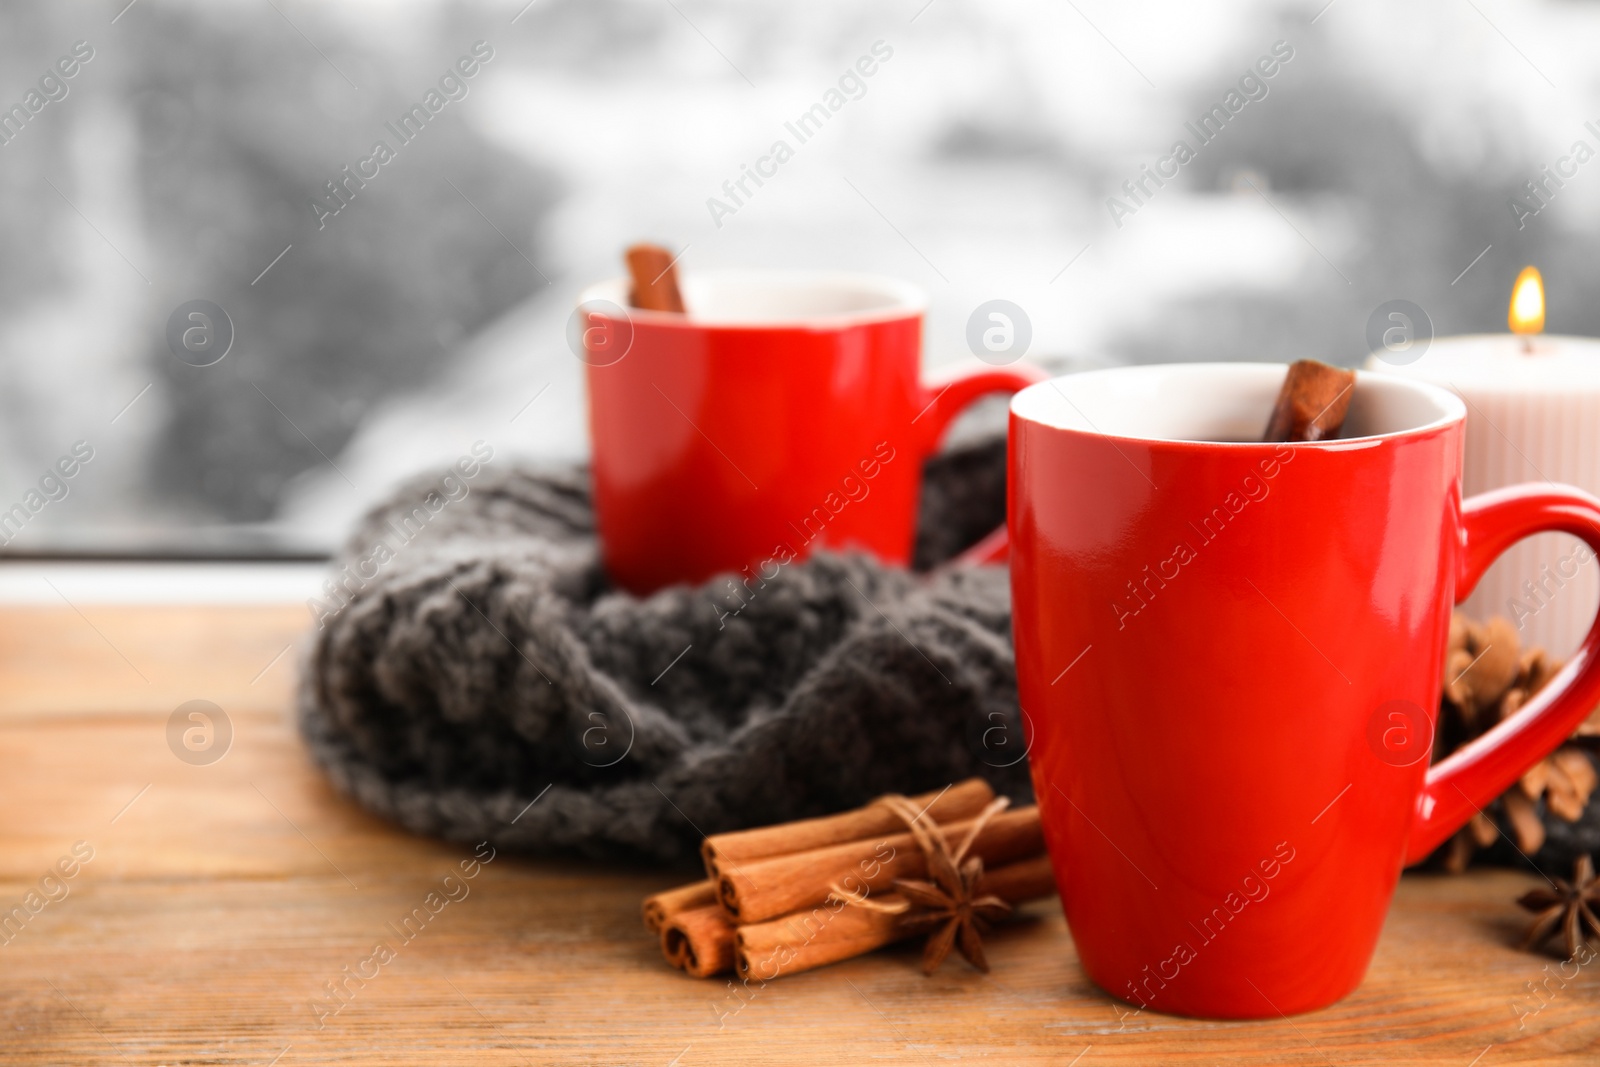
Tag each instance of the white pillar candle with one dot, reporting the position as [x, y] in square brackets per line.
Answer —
[1533, 414]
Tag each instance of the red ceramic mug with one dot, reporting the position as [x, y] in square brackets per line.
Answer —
[786, 412]
[1230, 657]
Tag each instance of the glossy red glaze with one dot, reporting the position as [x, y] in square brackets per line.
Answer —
[740, 446]
[1212, 642]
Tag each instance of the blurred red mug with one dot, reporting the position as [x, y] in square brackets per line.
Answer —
[786, 412]
[1230, 655]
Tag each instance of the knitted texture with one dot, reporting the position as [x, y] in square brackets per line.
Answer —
[488, 684]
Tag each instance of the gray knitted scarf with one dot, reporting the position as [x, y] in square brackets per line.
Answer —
[476, 678]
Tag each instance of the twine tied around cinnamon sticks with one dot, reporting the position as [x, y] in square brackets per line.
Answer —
[784, 899]
[950, 907]
[930, 838]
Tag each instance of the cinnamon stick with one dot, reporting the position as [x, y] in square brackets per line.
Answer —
[767, 888]
[1312, 402]
[960, 801]
[655, 279]
[835, 931]
[664, 905]
[699, 940]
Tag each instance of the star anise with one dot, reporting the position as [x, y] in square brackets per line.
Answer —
[954, 913]
[949, 905]
[1571, 906]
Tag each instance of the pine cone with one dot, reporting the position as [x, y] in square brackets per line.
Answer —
[1487, 678]
[1480, 666]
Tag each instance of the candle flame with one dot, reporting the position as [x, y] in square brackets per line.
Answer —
[1527, 303]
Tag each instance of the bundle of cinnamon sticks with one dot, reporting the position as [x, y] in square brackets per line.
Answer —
[784, 899]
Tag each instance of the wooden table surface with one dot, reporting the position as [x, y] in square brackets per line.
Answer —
[222, 898]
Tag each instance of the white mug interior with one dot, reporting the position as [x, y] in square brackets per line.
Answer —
[1222, 403]
[776, 299]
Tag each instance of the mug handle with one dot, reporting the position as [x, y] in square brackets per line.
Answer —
[947, 396]
[1458, 787]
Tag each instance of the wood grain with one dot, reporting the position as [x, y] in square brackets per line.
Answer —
[223, 898]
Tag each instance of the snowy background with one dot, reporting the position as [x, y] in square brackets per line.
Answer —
[977, 164]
